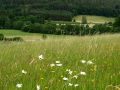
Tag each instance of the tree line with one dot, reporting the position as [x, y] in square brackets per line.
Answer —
[35, 24]
[60, 9]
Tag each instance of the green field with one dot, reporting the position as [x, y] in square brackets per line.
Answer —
[8, 32]
[94, 19]
[102, 50]
[91, 20]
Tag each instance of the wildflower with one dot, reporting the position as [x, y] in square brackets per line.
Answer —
[57, 61]
[52, 71]
[41, 57]
[75, 76]
[46, 87]
[57, 24]
[59, 65]
[83, 73]
[42, 78]
[83, 61]
[69, 71]
[52, 65]
[24, 72]
[38, 87]
[70, 84]
[19, 85]
[95, 67]
[61, 75]
[89, 62]
[76, 85]
[65, 79]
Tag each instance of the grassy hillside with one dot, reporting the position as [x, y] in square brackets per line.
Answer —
[94, 19]
[102, 74]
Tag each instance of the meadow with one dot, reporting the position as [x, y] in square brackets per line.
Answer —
[60, 62]
[91, 20]
[95, 19]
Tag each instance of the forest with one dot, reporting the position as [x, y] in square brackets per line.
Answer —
[59, 9]
[36, 15]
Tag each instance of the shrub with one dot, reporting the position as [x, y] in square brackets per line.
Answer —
[27, 26]
[17, 39]
[101, 28]
[8, 39]
[116, 30]
[35, 19]
[3, 19]
[18, 25]
[49, 28]
[70, 29]
[117, 22]
[13, 39]
[1, 37]
[44, 36]
[36, 28]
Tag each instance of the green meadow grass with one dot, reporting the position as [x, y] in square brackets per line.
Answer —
[8, 32]
[102, 50]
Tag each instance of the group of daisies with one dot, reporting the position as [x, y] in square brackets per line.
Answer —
[19, 85]
[70, 72]
[59, 64]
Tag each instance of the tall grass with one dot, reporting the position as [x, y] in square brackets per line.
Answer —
[103, 51]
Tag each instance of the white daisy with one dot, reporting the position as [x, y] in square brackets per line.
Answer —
[83, 61]
[24, 72]
[75, 76]
[57, 62]
[70, 84]
[19, 85]
[83, 73]
[65, 79]
[70, 72]
[76, 85]
[52, 65]
[41, 57]
[67, 70]
[52, 71]
[89, 62]
[59, 65]
[38, 87]
[57, 24]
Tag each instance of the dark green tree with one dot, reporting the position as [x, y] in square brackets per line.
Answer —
[117, 22]
[84, 20]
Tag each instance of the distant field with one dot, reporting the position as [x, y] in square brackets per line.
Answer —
[25, 35]
[8, 32]
[94, 19]
[64, 22]
[81, 63]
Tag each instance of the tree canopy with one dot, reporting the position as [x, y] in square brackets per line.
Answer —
[60, 9]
